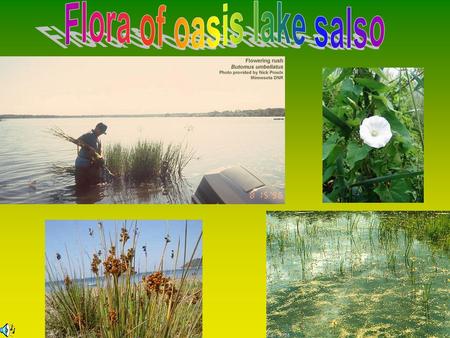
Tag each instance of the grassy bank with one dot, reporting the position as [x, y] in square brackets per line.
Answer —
[159, 305]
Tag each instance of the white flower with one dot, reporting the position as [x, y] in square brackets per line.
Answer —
[375, 131]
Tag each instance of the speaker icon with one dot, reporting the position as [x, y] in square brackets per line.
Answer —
[7, 330]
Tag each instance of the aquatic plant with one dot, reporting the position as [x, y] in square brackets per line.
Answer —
[303, 253]
[143, 162]
[160, 305]
[437, 230]
[352, 223]
[387, 277]
[392, 261]
[432, 227]
[426, 295]
[148, 160]
[116, 157]
[341, 267]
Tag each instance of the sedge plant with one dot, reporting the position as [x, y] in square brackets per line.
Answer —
[147, 161]
[160, 304]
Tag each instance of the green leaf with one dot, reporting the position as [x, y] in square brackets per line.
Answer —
[353, 104]
[372, 84]
[345, 72]
[398, 127]
[331, 160]
[419, 82]
[327, 72]
[347, 85]
[349, 88]
[398, 191]
[339, 185]
[393, 155]
[329, 145]
[326, 199]
[384, 100]
[354, 122]
[330, 116]
[356, 153]
[328, 173]
[379, 72]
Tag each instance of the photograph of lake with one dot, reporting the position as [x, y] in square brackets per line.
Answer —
[139, 130]
[358, 274]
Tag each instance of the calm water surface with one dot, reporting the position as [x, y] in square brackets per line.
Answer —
[31, 158]
[351, 276]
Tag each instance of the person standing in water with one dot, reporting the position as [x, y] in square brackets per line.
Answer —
[89, 162]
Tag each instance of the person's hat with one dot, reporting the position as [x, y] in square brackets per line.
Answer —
[102, 127]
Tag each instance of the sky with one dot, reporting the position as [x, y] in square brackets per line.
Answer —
[71, 239]
[129, 85]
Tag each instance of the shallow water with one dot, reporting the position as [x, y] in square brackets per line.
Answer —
[349, 275]
[30, 157]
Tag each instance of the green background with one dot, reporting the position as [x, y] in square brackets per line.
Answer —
[234, 236]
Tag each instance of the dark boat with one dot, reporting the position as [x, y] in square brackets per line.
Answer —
[235, 185]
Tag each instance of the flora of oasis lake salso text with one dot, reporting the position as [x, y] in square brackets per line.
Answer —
[268, 27]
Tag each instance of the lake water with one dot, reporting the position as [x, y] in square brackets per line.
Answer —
[356, 275]
[32, 161]
[193, 274]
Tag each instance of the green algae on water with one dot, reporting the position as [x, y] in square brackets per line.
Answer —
[358, 274]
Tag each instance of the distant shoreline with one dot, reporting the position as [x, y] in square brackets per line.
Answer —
[268, 112]
[168, 273]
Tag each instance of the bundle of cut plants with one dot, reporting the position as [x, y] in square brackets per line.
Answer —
[62, 135]
[148, 161]
[80, 143]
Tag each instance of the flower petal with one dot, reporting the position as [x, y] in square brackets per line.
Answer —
[375, 131]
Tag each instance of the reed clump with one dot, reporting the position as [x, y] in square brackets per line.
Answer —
[121, 305]
[432, 227]
[148, 160]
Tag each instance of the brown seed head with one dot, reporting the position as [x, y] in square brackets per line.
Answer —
[113, 266]
[158, 284]
[67, 281]
[112, 316]
[124, 264]
[130, 254]
[124, 235]
[196, 297]
[95, 263]
[112, 250]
